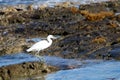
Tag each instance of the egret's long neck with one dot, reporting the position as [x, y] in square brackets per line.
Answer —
[49, 40]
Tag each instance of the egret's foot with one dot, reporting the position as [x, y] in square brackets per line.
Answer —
[41, 59]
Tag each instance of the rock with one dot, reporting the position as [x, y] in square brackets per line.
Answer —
[24, 69]
[12, 45]
[115, 52]
[84, 30]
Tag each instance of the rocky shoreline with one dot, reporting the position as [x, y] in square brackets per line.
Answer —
[91, 31]
[24, 70]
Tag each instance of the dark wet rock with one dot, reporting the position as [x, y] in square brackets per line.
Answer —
[115, 52]
[19, 30]
[118, 18]
[83, 30]
[7, 45]
[24, 69]
[2, 13]
[92, 7]
[105, 6]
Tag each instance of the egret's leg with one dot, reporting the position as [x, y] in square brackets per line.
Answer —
[39, 57]
[37, 53]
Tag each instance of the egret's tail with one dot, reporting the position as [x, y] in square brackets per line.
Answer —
[28, 50]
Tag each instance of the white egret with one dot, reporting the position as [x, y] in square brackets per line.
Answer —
[41, 45]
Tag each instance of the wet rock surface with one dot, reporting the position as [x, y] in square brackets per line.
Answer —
[86, 32]
[24, 69]
[83, 30]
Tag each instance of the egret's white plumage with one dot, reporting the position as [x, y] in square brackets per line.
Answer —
[42, 44]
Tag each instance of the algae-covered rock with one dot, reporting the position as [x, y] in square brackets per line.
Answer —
[83, 30]
[25, 69]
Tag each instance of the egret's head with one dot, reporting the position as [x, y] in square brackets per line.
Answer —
[53, 37]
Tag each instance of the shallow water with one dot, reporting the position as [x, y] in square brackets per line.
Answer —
[108, 70]
[34, 39]
[16, 59]
[48, 2]
[68, 63]
[70, 68]
[50, 60]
